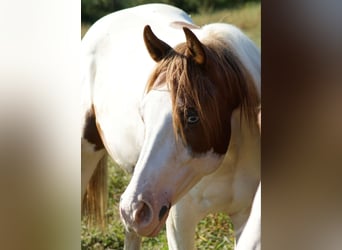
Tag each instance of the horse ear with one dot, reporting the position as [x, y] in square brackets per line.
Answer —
[156, 47]
[195, 47]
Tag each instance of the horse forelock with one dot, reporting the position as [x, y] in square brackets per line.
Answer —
[214, 90]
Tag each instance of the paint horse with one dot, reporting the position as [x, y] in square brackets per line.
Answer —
[176, 105]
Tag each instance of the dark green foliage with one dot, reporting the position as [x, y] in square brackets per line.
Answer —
[92, 10]
[110, 238]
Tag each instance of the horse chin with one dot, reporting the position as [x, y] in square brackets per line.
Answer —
[157, 230]
[154, 231]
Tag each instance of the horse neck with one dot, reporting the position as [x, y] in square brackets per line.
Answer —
[243, 154]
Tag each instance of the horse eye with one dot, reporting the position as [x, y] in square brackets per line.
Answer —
[191, 116]
[193, 119]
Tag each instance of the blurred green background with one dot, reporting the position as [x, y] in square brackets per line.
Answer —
[94, 9]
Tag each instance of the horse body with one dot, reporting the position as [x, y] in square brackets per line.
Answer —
[136, 123]
[230, 189]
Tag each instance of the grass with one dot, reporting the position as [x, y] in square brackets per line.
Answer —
[247, 17]
[213, 232]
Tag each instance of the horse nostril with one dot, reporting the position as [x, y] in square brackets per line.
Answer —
[162, 212]
[143, 214]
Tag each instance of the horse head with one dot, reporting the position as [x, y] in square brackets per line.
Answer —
[186, 110]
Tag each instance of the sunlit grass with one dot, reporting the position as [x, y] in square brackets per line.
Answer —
[246, 17]
[84, 28]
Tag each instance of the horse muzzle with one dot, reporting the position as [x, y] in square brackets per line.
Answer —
[145, 218]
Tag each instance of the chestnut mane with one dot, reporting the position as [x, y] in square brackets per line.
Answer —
[214, 90]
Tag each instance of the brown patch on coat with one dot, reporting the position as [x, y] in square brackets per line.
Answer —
[90, 132]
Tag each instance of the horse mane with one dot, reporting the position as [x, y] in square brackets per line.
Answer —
[214, 89]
